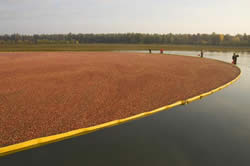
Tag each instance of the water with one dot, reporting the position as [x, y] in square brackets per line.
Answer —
[212, 131]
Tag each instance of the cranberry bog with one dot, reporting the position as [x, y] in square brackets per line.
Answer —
[48, 93]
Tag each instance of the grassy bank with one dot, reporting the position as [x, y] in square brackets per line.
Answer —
[113, 47]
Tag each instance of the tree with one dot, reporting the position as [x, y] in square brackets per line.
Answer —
[135, 38]
[221, 36]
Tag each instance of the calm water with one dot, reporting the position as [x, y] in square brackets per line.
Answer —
[213, 131]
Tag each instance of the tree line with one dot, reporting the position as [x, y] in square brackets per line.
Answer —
[129, 38]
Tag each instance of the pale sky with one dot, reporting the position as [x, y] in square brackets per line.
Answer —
[121, 16]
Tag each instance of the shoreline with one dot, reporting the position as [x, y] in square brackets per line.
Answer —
[115, 47]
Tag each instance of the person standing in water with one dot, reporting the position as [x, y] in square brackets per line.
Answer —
[201, 53]
[234, 57]
[161, 51]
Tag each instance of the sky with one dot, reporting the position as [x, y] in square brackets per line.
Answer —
[122, 16]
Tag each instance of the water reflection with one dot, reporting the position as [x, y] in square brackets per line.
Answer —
[212, 131]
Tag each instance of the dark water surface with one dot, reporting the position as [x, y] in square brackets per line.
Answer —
[212, 131]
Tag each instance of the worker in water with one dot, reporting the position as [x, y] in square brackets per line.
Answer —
[161, 51]
[201, 53]
[234, 57]
[150, 51]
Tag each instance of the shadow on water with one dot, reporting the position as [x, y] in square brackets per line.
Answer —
[212, 131]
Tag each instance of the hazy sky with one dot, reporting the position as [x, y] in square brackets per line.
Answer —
[120, 16]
